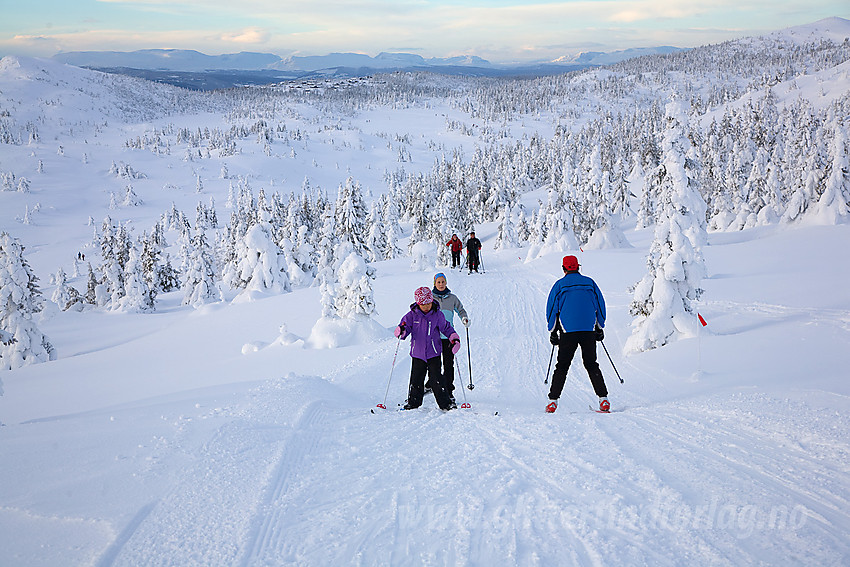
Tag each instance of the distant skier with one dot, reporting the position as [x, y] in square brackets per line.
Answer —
[425, 323]
[575, 312]
[473, 245]
[449, 305]
[456, 247]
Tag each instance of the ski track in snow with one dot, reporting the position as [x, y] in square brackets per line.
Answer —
[306, 475]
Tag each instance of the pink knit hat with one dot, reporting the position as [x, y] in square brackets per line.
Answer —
[423, 296]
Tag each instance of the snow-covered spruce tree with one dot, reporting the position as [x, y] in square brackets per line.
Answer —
[20, 299]
[662, 299]
[139, 296]
[536, 234]
[91, 286]
[506, 236]
[259, 264]
[61, 293]
[558, 220]
[325, 276]
[351, 215]
[347, 303]
[167, 276]
[354, 298]
[376, 243]
[199, 286]
[422, 207]
[833, 206]
[114, 249]
[392, 229]
[305, 254]
[621, 194]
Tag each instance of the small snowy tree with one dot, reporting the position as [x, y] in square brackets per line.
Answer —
[347, 303]
[376, 243]
[61, 294]
[507, 235]
[354, 298]
[20, 299]
[834, 204]
[259, 264]
[423, 256]
[662, 299]
[139, 295]
[560, 236]
[392, 229]
[351, 215]
[199, 275]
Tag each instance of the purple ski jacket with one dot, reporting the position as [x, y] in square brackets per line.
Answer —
[424, 330]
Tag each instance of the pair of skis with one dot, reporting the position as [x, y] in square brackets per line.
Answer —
[401, 408]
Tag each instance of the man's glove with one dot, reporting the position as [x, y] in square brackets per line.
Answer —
[465, 321]
[600, 334]
[553, 337]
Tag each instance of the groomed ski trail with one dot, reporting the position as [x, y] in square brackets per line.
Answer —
[306, 475]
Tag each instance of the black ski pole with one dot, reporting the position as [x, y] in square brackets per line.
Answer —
[465, 403]
[612, 362]
[546, 381]
[471, 385]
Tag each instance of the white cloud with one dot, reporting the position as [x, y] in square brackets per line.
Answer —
[499, 31]
[248, 35]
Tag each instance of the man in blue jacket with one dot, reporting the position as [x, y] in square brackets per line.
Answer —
[575, 312]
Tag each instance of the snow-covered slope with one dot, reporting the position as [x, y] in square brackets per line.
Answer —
[218, 436]
[833, 29]
[158, 442]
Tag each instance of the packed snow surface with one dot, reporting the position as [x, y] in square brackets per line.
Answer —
[163, 444]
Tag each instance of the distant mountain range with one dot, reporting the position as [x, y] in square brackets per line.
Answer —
[193, 61]
[192, 69]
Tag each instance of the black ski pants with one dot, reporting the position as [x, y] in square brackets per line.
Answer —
[567, 346]
[448, 367]
[456, 259]
[416, 390]
[472, 258]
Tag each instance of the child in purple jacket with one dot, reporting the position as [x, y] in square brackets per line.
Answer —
[424, 323]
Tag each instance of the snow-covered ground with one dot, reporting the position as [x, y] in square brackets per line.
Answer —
[155, 441]
[218, 436]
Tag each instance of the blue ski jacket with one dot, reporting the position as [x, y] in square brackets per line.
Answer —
[576, 301]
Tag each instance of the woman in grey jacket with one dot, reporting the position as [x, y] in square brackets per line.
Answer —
[449, 305]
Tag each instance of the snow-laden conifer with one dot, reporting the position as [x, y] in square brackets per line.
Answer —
[392, 229]
[139, 296]
[20, 300]
[354, 298]
[506, 236]
[259, 264]
[351, 215]
[833, 206]
[62, 292]
[199, 282]
[675, 267]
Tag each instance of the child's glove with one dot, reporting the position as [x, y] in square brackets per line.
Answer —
[455, 342]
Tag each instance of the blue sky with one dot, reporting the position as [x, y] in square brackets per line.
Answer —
[497, 30]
